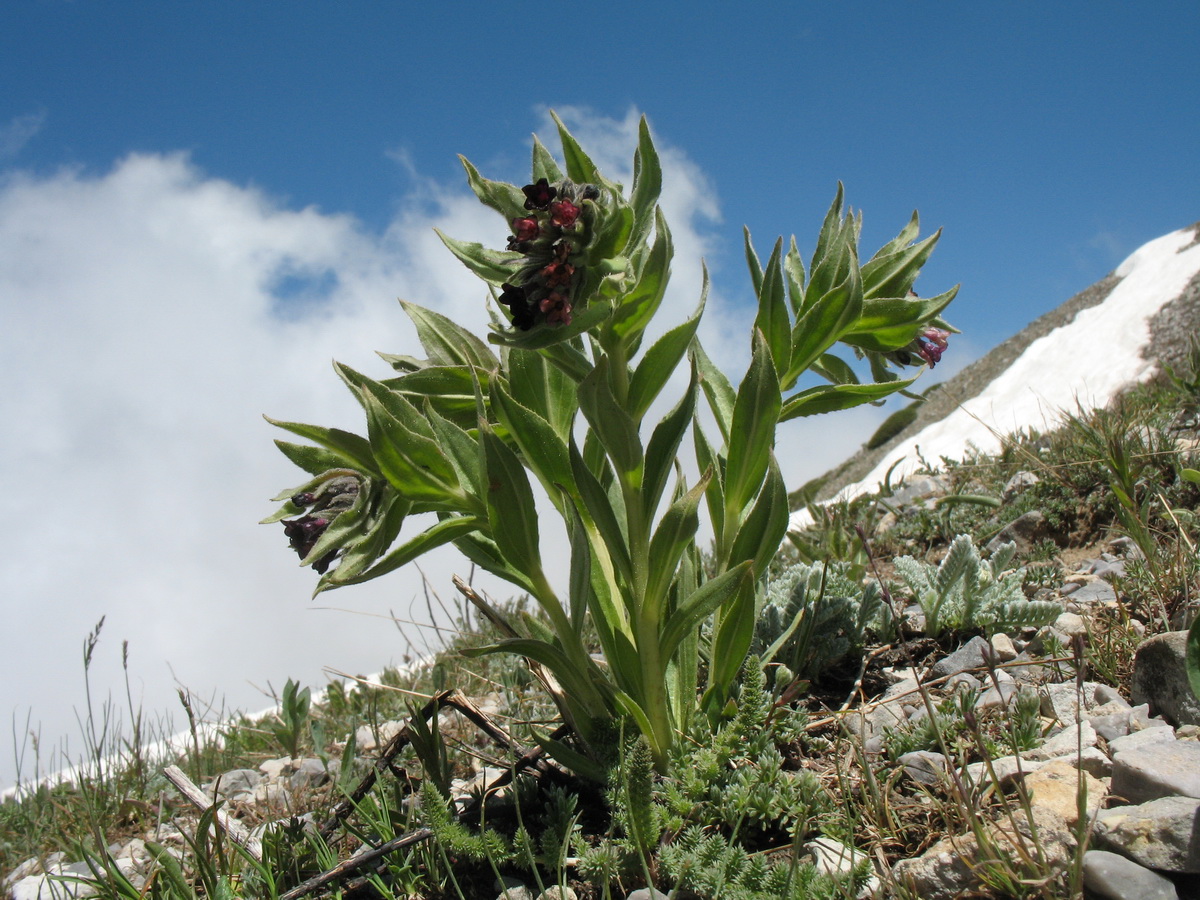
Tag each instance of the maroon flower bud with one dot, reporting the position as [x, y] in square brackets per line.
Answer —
[538, 196]
[525, 229]
[591, 192]
[303, 499]
[558, 274]
[303, 533]
[557, 308]
[563, 213]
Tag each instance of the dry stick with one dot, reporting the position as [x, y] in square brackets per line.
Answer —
[236, 830]
[355, 863]
[397, 743]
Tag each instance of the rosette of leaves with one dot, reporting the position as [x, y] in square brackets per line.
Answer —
[558, 396]
[815, 615]
[967, 593]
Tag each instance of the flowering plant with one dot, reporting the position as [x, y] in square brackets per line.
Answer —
[464, 432]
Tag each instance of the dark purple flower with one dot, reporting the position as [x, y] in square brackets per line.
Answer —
[303, 499]
[558, 274]
[303, 533]
[538, 196]
[563, 213]
[516, 298]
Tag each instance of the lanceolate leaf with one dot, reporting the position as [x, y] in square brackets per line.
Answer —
[793, 270]
[711, 595]
[493, 266]
[580, 167]
[599, 510]
[611, 423]
[822, 324]
[772, 319]
[892, 273]
[672, 536]
[444, 532]
[544, 451]
[763, 530]
[544, 165]
[639, 305]
[355, 450]
[313, 460]
[661, 360]
[647, 183]
[511, 510]
[830, 397]
[718, 390]
[752, 434]
[756, 269]
[447, 343]
[664, 443]
[506, 199]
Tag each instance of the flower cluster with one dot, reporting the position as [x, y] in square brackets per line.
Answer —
[551, 239]
[333, 498]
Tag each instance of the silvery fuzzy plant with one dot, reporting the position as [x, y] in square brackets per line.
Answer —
[968, 593]
[559, 394]
[814, 615]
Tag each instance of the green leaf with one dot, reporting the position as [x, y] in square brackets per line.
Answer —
[710, 596]
[600, 512]
[675, 532]
[642, 301]
[315, 460]
[661, 360]
[545, 335]
[772, 319]
[831, 397]
[578, 686]
[544, 388]
[1192, 475]
[611, 422]
[504, 198]
[756, 269]
[446, 531]
[647, 184]
[493, 266]
[835, 369]
[512, 512]
[759, 536]
[888, 324]
[393, 445]
[731, 639]
[717, 389]
[448, 343]
[544, 451]
[708, 459]
[544, 164]
[752, 433]
[580, 167]
[483, 551]
[892, 273]
[448, 389]
[822, 324]
[462, 452]
[793, 271]
[354, 450]
[663, 448]
[1193, 657]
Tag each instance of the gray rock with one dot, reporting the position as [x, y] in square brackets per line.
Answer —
[1068, 741]
[924, 766]
[646, 893]
[961, 681]
[1062, 701]
[236, 781]
[1160, 678]
[1113, 877]
[1094, 593]
[918, 489]
[1024, 531]
[1003, 646]
[1106, 694]
[1143, 738]
[558, 892]
[1163, 834]
[310, 773]
[1159, 770]
[970, 655]
[1110, 725]
[945, 871]
[997, 697]
[1017, 484]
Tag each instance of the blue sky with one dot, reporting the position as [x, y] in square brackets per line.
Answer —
[201, 204]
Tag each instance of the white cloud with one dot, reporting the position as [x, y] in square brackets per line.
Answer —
[143, 338]
[18, 132]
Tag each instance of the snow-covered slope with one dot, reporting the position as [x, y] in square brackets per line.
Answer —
[1087, 362]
